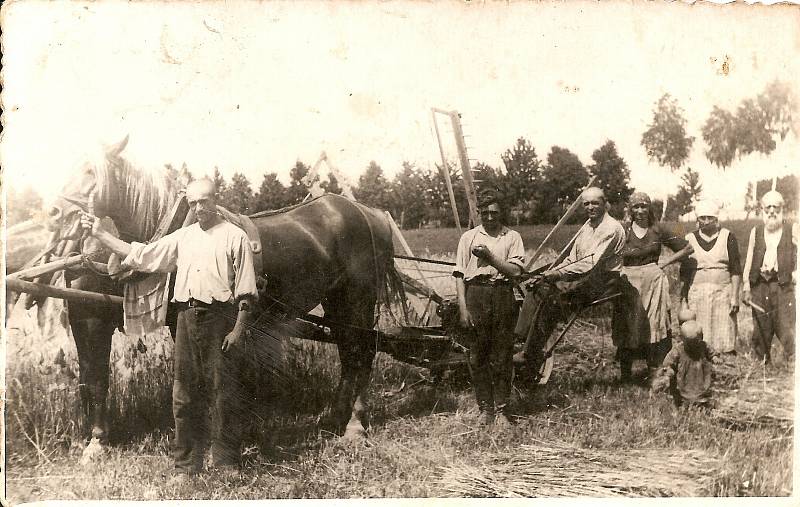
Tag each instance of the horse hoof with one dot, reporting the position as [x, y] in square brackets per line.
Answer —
[92, 451]
[354, 432]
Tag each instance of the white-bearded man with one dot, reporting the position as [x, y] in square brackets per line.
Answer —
[770, 271]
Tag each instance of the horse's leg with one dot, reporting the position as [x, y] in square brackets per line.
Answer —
[93, 341]
[356, 353]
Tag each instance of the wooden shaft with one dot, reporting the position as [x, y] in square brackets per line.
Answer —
[445, 171]
[38, 289]
[558, 225]
[48, 267]
[469, 184]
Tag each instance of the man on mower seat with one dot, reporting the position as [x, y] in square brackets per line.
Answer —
[589, 272]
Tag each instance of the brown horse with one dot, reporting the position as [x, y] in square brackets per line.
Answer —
[329, 251]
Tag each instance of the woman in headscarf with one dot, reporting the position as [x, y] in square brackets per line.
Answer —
[642, 324]
[711, 278]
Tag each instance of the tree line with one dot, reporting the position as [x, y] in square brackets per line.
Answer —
[533, 190]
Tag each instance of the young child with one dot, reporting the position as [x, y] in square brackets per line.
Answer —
[686, 370]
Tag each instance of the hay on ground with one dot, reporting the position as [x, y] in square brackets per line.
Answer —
[566, 471]
[761, 397]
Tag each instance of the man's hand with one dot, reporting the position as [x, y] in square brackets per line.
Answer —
[91, 223]
[551, 275]
[482, 252]
[734, 308]
[232, 341]
[465, 319]
[746, 297]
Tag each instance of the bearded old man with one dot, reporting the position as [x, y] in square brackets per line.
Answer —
[215, 288]
[770, 273]
[590, 271]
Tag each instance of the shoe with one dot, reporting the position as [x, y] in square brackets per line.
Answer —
[502, 421]
[486, 419]
[179, 478]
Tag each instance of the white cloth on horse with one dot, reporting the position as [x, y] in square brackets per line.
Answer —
[192, 251]
[145, 304]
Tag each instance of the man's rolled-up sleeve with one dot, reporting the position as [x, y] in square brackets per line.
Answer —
[462, 257]
[605, 246]
[245, 277]
[516, 251]
[157, 257]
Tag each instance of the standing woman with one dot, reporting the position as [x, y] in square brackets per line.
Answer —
[643, 318]
[711, 278]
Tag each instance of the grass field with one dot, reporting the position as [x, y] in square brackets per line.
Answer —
[424, 439]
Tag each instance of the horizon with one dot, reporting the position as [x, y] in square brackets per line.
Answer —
[286, 82]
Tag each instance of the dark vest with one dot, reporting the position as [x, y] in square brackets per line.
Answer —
[787, 256]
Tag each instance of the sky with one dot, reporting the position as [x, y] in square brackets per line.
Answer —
[255, 86]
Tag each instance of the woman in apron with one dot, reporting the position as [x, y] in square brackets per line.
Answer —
[642, 324]
[711, 279]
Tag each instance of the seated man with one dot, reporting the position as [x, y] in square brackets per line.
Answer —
[590, 270]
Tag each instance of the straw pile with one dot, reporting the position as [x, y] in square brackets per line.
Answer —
[565, 471]
[758, 400]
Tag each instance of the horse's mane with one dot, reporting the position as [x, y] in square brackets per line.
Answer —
[137, 200]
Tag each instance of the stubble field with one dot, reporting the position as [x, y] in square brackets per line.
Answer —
[583, 434]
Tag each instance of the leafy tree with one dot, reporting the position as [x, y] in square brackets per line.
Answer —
[409, 188]
[271, 194]
[613, 176]
[297, 190]
[219, 185]
[184, 176]
[22, 206]
[756, 127]
[665, 139]
[564, 178]
[238, 196]
[373, 188]
[523, 177]
[688, 193]
[440, 210]
[331, 185]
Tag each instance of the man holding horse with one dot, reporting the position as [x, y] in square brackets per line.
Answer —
[215, 288]
[588, 272]
[487, 260]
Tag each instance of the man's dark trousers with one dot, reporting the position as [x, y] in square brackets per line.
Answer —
[206, 378]
[554, 303]
[779, 320]
[491, 343]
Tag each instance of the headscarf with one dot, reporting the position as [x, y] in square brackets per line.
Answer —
[642, 198]
[706, 208]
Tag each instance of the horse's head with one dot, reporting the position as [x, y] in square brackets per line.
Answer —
[80, 193]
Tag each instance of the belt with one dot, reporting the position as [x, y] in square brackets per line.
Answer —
[197, 304]
[488, 282]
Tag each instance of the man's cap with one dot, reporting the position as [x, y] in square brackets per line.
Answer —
[691, 330]
[706, 208]
[772, 198]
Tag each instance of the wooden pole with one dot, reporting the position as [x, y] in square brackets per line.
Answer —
[39, 289]
[53, 266]
[558, 225]
[469, 183]
[445, 171]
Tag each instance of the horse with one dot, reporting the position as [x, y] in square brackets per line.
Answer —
[330, 251]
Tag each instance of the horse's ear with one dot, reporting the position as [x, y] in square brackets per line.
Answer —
[116, 149]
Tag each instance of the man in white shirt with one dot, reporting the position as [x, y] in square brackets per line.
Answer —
[215, 288]
[770, 271]
[488, 259]
[592, 266]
